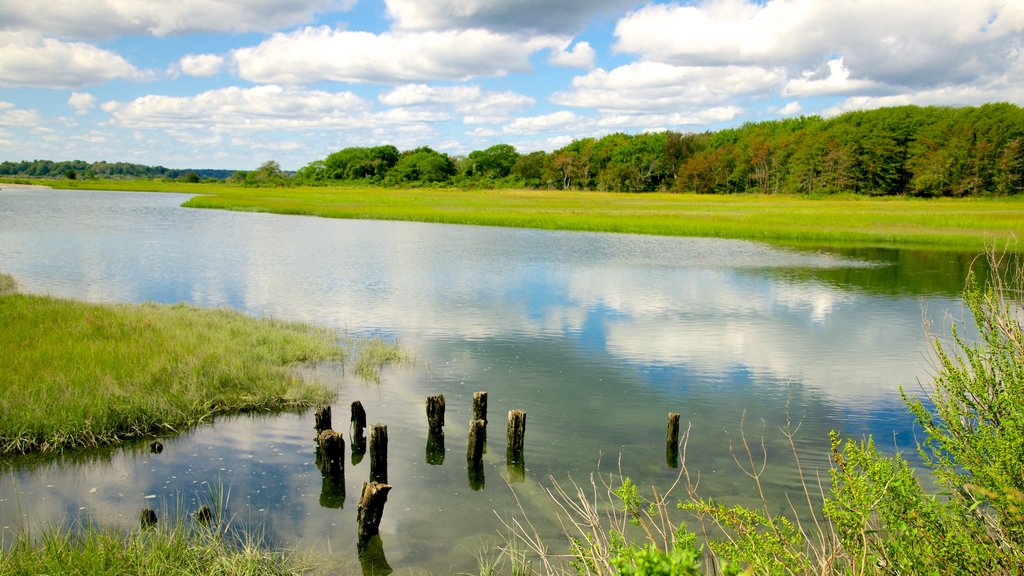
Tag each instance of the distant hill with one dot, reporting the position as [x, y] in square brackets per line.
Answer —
[82, 169]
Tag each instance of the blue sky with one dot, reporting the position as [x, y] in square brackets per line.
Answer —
[231, 84]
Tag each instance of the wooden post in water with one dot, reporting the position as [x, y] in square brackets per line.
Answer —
[322, 419]
[371, 508]
[147, 517]
[475, 453]
[435, 412]
[516, 435]
[332, 453]
[379, 453]
[672, 441]
[356, 432]
[480, 406]
[332, 492]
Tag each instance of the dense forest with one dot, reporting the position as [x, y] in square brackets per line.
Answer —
[908, 150]
[75, 169]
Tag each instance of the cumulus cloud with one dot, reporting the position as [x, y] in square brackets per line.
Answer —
[836, 82]
[200, 64]
[11, 115]
[476, 106]
[112, 18]
[581, 55]
[82, 101]
[544, 123]
[531, 16]
[30, 59]
[652, 87]
[320, 53]
[918, 43]
[257, 108]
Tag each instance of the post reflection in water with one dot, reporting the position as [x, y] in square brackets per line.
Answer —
[583, 330]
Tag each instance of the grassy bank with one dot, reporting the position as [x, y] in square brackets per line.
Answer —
[945, 224]
[163, 549]
[80, 375]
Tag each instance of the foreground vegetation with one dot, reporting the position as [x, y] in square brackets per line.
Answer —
[179, 547]
[872, 516]
[80, 375]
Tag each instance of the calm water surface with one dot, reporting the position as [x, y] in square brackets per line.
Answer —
[596, 336]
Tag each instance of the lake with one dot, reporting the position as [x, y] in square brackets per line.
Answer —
[596, 336]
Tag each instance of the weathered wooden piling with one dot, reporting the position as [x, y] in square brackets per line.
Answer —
[475, 471]
[204, 515]
[672, 441]
[371, 508]
[379, 453]
[516, 471]
[475, 450]
[147, 518]
[672, 437]
[480, 406]
[516, 435]
[435, 412]
[357, 432]
[332, 453]
[322, 419]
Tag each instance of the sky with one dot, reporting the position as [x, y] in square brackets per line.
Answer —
[233, 83]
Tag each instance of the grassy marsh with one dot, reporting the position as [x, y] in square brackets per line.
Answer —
[946, 224]
[79, 375]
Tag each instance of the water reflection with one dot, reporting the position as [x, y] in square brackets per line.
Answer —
[596, 336]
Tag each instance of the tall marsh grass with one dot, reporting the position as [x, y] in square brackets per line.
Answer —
[79, 375]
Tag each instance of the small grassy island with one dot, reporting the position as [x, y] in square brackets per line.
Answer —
[80, 375]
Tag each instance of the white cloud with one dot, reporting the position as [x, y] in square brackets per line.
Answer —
[791, 109]
[651, 87]
[13, 116]
[313, 54]
[258, 108]
[580, 56]
[82, 102]
[539, 16]
[475, 105]
[562, 120]
[201, 64]
[837, 82]
[30, 59]
[112, 18]
[910, 43]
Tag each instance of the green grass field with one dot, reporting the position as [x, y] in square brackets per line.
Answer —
[944, 224]
[80, 375]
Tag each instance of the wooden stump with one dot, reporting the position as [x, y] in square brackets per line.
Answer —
[371, 508]
[480, 406]
[357, 432]
[204, 515]
[322, 419]
[516, 435]
[435, 412]
[379, 453]
[672, 441]
[475, 471]
[477, 435]
[516, 471]
[147, 518]
[332, 453]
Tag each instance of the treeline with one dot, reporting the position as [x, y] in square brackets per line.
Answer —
[76, 169]
[910, 150]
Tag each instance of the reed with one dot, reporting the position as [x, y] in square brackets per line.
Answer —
[80, 375]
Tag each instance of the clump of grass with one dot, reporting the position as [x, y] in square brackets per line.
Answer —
[80, 375]
[175, 548]
[7, 285]
[374, 355]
